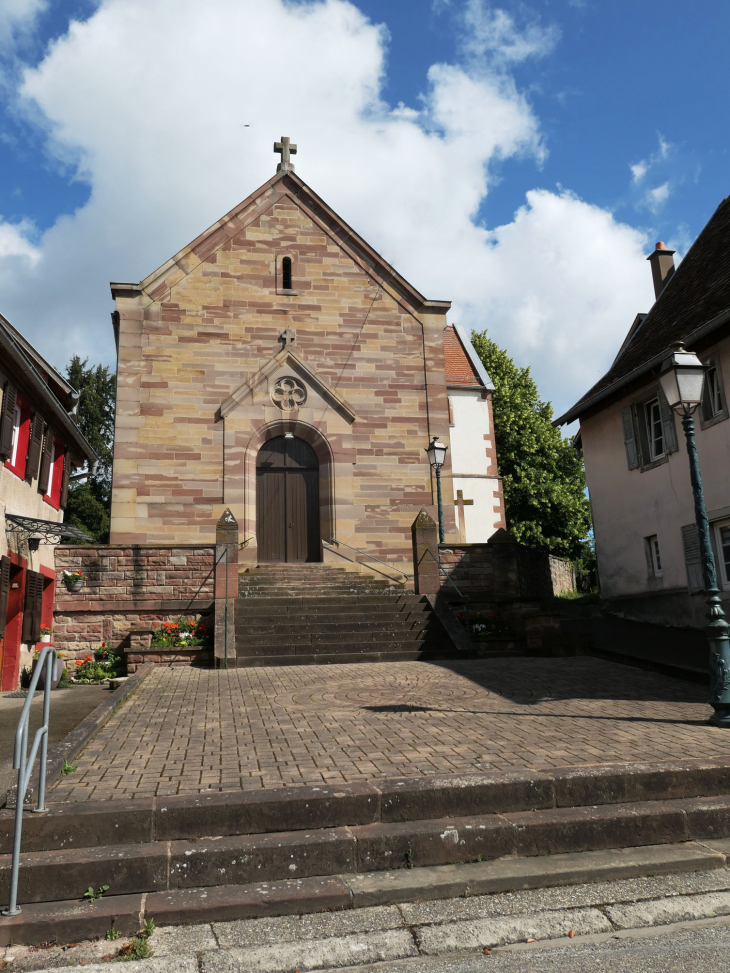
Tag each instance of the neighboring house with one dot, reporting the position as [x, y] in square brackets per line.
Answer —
[39, 446]
[477, 485]
[633, 445]
[279, 367]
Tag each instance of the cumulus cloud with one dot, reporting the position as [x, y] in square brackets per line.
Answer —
[494, 32]
[149, 101]
[17, 16]
[640, 169]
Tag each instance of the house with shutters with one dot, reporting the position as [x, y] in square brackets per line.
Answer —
[40, 445]
[633, 445]
[279, 367]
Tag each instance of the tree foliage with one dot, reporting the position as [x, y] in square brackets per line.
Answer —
[543, 477]
[89, 502]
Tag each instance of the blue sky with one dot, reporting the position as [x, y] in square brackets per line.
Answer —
[540, 151]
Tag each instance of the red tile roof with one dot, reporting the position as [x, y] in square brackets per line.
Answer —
[459, 370]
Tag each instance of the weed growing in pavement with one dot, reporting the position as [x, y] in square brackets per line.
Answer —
[68, 768]
[137, 947]
[409, 857]
[91, 895]
[112, 934]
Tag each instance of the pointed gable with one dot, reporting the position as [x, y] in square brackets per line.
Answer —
[461, 364]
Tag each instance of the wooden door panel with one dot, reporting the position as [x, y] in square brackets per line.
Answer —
[271, 515]
[313, 539]
[296, 515]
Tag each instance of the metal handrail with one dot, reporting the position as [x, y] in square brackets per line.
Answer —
[465, 598]
[24, 764]
[333, 540]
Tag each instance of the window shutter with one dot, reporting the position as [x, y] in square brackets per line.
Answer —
[34, 447]
[692, 558]
[632, 454]
[668, 426]
[33, 606]
[64, 481]
[4, 592]
[45, 461]
[7, 419]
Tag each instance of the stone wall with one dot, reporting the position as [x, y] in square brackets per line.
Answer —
[128, 588]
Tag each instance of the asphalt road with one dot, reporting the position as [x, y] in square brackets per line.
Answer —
[68, 708]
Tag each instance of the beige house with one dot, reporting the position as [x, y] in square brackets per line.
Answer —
[635, 455]
[40, 445]
[280, 367]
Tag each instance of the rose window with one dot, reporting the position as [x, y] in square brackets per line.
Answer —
[288, 393]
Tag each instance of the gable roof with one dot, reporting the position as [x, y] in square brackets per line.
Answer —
[462, 365]
[694, 303]
[284, 184]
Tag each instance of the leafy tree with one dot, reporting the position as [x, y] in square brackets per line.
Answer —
[89, 502]
[543, 477]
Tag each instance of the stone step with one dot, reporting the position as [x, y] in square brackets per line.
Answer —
[179, 864]
[316, 602]
[325, 657]
[251, 614]
[326, 626]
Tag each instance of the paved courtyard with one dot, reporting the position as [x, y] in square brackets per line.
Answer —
[187, 730]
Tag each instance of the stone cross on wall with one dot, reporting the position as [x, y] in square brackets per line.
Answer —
[288, 337]
[285, 150]
[460, 502]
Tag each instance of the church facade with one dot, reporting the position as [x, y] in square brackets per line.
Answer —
[279, 367]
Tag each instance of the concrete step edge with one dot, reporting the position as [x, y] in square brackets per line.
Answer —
[72, 920]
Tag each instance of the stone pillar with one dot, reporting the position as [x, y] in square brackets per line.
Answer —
[424, 531]
[226, 589]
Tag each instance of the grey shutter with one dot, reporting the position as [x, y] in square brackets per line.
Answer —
[632, 453]
[33, 606]
[5, 563]
[65, 479]
[692, 558]
[45, 472]
[668, 427]
[34, 447]
[7, 419]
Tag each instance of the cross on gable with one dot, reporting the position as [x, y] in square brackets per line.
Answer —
[285, 150]
[288, 337]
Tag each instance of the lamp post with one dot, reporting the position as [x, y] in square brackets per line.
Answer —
[436, 453]
[682, 380]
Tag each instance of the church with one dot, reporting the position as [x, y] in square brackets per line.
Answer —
[279, 367]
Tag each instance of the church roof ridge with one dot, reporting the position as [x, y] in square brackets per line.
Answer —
[287, 182]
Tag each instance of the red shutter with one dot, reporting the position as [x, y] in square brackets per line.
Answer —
[64, 481]
[5, 563]
[45, 472]
[7, 419]
[34, 447]
[34, 583]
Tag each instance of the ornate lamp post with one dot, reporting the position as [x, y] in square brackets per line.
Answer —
[436, 453]
[682, 379]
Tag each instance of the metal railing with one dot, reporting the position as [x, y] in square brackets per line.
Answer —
[392, 567]
[24, 763]
[464, 598]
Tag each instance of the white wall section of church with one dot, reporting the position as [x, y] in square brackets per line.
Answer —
[481, 516]
[470, 414]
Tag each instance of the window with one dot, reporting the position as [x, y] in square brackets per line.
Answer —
[654, 558]
[286, 274]
[19, 438]
[712, 401]
[722, 536]
[654, 430]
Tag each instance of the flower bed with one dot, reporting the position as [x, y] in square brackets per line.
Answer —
[102, 665]
[486, 625]
[182, 633]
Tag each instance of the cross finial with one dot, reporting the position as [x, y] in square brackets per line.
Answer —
[285, 149]
[288, 337]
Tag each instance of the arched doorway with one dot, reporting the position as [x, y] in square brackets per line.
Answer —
[287, 501]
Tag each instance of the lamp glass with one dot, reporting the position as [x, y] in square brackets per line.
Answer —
[436, 452]
[682, 380]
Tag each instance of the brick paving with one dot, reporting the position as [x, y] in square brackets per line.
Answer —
[190, 730]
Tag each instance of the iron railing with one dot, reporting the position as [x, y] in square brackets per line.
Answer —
[24, 763]
[392, 567]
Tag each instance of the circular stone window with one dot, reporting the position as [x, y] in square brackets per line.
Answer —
[288, 393]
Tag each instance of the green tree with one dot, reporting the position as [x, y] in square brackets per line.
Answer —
[89, 502]
[543, 477]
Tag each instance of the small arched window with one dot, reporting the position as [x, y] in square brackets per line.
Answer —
[286, 274]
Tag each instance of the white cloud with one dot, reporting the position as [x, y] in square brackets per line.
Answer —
[494, 33]
[656, 197]
[15, 243]
[17, 16]
[149, 98]
[640, 169]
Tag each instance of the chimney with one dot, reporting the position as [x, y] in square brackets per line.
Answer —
[662, 267]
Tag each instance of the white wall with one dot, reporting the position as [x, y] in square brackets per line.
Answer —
[471, 443]
[629, 505]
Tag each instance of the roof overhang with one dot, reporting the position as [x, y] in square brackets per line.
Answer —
[44, 531]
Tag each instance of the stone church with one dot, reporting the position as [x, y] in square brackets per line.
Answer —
[278, 366]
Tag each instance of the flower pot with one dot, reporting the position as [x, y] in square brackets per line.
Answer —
[74, 586]
[42, 677]
[45, 638]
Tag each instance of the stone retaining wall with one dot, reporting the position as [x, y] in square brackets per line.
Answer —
[132, 587]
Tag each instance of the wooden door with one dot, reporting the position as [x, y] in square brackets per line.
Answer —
[287, 501]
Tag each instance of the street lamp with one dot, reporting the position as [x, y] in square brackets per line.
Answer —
[436, 453]
[682, 378]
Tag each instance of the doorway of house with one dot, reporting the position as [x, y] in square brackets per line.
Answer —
[287, 501]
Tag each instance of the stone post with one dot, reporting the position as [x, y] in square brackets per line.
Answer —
[424, 531]
[226, 590]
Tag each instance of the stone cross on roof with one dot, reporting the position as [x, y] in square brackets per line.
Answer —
[285, 149]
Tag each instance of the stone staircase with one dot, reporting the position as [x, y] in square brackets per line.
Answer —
[315, 614]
